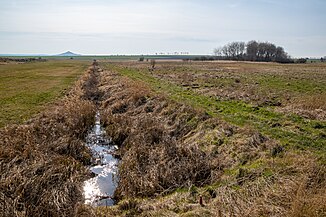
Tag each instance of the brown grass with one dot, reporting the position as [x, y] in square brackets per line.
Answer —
[43, 161]
[148, 129]
[312, 106]
[172, 157]
[295, 189]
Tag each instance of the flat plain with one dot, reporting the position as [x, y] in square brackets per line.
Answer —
[195, 138]
[287, 102]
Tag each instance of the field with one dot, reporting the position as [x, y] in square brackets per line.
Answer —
[286, 102]
[246, 137]
[194, 138]
[25, 88]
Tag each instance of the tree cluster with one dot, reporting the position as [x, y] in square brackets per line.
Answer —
[253, 51]
[22, 60]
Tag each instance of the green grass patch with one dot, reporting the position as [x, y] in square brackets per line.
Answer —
[24, 88]
[295, 85]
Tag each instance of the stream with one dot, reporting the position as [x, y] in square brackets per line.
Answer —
[98, 191]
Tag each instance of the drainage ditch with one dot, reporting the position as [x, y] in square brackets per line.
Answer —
[99, 190]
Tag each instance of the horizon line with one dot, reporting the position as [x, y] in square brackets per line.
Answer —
[158, 54]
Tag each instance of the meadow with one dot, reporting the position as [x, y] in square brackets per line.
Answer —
[195, 138]
[287, 102]
[245, 138]
[25, 88]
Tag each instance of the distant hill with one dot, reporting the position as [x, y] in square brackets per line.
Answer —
[68, 53]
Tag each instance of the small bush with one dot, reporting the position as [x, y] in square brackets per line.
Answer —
[301, 60]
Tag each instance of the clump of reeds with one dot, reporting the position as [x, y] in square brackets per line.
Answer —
[149, 170]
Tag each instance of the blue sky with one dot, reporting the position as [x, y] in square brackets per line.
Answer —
[153, 26]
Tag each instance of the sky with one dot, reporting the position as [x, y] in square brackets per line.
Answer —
[154, 26]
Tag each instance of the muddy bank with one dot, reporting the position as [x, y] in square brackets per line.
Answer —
[43, 162]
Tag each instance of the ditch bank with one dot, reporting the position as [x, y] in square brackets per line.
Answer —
[99, 189]
[150, 131]
[44, 162]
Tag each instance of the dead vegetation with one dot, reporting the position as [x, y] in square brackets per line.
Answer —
[312, 106]
[43, 162]
[283, 191]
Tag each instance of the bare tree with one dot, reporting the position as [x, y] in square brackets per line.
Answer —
[252, 50]
[218, 52]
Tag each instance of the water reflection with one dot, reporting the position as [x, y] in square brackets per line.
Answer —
[99, 190]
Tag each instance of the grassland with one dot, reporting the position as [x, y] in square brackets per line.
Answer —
[25, 88]
[257, 128]
[257, 95]
[194, 138]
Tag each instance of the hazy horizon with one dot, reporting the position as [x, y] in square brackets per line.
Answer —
[126, 27]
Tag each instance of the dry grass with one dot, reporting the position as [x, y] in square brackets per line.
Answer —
[43, 161]
[147, 171]
[296, 189]
[312, 106]
[147, 130]
[172, 155]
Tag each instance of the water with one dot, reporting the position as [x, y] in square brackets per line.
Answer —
[99, 190]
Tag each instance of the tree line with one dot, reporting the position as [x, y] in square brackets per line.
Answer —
[253, 51]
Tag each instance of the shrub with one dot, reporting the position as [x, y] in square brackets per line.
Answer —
[301, 60]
